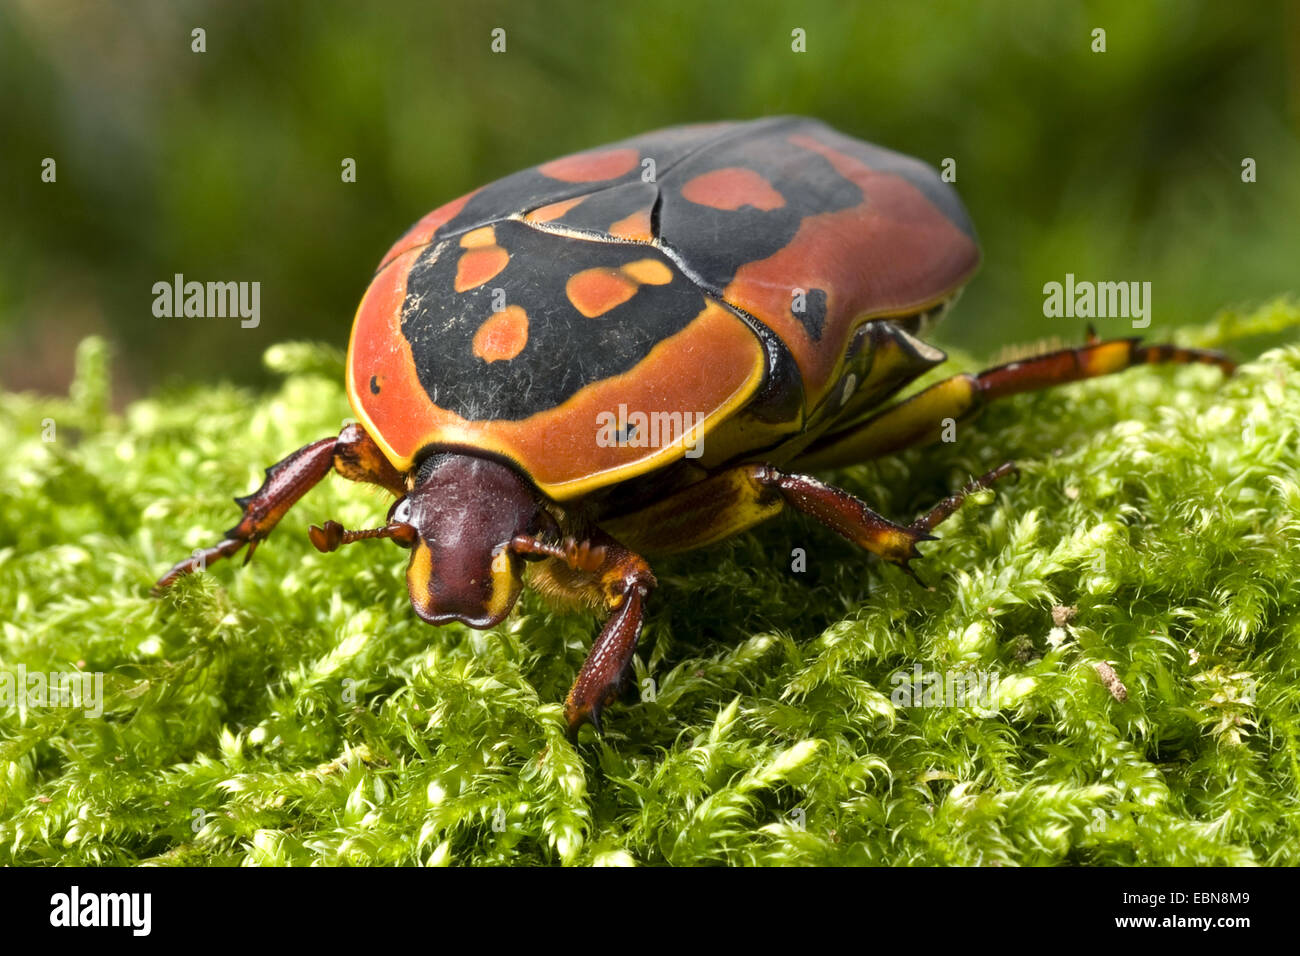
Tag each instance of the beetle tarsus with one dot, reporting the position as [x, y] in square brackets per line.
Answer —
[911, 573]
[196, 562]
[947, 506]
[593, 718]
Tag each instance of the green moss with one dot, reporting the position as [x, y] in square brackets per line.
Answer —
[297, 711]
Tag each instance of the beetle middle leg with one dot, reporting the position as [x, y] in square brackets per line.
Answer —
[353, 454]
[739, 498]
[849, 516]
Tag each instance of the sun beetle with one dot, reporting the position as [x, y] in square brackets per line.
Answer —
[641, 349]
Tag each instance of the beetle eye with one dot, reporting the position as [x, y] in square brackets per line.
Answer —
[400, 511]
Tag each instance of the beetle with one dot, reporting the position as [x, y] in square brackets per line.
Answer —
[645, 348]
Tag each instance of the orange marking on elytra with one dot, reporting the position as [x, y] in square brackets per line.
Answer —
[731, 188]
[553, 211]
[483, 236]
[591, 167]
[503, 335]
[647, 272]
[478, 265]
[594, 292]
[635, 227]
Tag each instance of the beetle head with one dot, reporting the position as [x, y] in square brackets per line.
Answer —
[464, 512]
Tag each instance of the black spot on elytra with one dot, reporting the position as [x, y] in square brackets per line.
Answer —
[813, 316]
[374, 385]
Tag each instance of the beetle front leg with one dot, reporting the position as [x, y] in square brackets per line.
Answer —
[353, 454]
[624, 580]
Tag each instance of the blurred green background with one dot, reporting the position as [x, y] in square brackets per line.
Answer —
[225, 165]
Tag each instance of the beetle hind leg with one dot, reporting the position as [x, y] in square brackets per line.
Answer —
[921, 418]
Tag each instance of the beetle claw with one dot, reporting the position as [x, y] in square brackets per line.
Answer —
[576, 718]
[197, 562]
[906, 566]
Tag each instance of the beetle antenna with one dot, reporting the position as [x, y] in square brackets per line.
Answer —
[579, 555]
[333, 535]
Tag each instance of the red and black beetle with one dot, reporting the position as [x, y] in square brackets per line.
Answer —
[642, 349]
